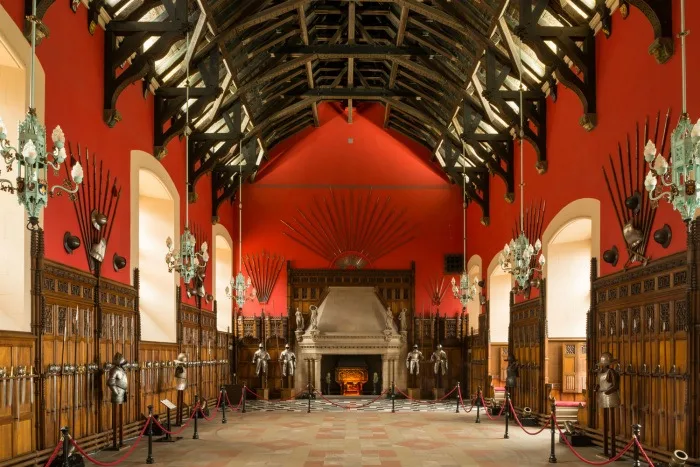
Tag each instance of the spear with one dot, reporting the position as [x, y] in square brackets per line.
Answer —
[63, 360]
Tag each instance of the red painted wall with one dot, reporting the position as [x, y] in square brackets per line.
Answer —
[72, 60]
[630, 86]
[388, 163]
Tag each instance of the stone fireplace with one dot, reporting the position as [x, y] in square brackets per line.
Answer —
[351, 321]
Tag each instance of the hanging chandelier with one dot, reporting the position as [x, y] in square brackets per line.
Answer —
[464, 292]
[187, 261]
[30, 156]
[517, 256]
[240, 287]
[680, 184]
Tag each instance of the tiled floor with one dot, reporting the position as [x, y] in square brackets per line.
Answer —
[439, 438]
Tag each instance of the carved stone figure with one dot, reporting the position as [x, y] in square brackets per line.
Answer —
[439, 358]
[403, 321]
[413, 361]
[389, 320]
[300, 320]
[511, 373]
[608, 389]
[288, 360]
[313, 325]
[260, 359]
[117, 379]
[181, 372]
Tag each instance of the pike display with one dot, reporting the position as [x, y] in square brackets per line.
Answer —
[11, 379]
[53, 370]
[21, 383]
[31, 385]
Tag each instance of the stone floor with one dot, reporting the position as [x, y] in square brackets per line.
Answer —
[353, 438]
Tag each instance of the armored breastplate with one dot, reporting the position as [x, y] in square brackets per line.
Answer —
[180, 378]
[607, 401]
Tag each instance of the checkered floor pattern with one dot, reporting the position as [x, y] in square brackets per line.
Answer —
[360, 404]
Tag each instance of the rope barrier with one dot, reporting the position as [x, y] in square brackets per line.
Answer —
[581, 458]
[54, 454]
[349, 407]
[641, 448]
[230, 405]
[426, 401]
[257, 397]
[218, 404]
[483, 404]
[461, 401]
[118, 461]
[182, 428]
[515, 415]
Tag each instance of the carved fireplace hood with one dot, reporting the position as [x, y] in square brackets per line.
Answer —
[352, 321]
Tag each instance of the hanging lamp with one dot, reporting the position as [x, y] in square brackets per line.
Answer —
[186, 261]
[464, 292]
[239, 286]
[680, 186]
[31, 158]
[516, 257]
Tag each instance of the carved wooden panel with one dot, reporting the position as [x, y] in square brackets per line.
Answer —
[528, 342]
[647, 332]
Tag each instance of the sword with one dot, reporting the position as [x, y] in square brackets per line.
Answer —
[12, 385]
[53, 371]
[21, 383]
[3, 387]
[31, 385]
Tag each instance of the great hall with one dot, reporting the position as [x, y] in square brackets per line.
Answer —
[395, 233]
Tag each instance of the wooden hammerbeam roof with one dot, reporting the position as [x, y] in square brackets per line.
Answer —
[447, 72]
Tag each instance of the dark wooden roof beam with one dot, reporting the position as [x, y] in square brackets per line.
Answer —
[303, 25]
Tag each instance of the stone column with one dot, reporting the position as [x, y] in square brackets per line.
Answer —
[317, 373]
[386, 381]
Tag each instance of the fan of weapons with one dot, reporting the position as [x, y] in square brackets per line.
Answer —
[264, 270]
[532, 226]
[350, 229]
[635, 212]
[436, 288]
[95, 206]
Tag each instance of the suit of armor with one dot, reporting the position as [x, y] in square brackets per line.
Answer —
[439, 358]
[181, 372]
[413, 361]
[511, 371]
[117, 380]
[608, 398]
[288, 360]
[260, 359]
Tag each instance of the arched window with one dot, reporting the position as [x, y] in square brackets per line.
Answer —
[474, 306]
[15, 299]
[568, 283]
[569, 241]
[223, 271]
[155, 214]
[499, 288]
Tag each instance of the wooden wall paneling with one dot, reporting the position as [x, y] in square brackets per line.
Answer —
[688, 394]
[479, 361]
[157, 381]
[119, 319]
[190, 345]
[642, 317]
[527, 332]
[16, 411]
[65, 349]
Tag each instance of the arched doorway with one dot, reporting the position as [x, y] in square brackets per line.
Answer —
[223, 271]
[498, 287]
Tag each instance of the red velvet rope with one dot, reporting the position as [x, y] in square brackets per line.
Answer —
[609, 461]
[424, 401]
[218, 403]
[515, 415]
[461, 401]
[228, 403]
[121, 459]
[349, 407]
[486, 410]
[54, 454]
[257, 396]
[641, 448]
[182, 428]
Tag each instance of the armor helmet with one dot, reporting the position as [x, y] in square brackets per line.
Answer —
[181, 359]
[606, 359]
[260, 346]
[439, 347]
[415, 346]
[118, 360]
[286, 346]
